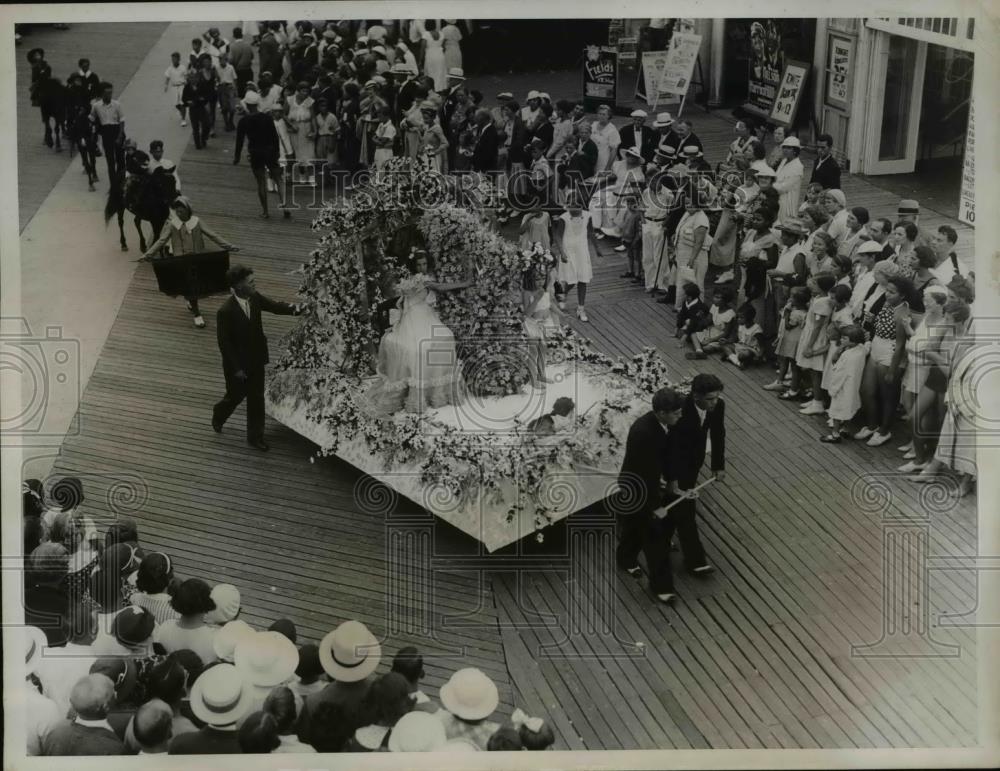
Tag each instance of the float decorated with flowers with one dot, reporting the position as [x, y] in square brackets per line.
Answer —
[480, 460]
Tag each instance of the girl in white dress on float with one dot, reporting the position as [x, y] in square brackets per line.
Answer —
[541, 317]
[418, 365]
[573, 237]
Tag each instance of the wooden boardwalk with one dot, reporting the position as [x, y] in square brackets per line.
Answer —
[758, 656]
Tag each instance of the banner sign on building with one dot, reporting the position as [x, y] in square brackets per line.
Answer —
[789, 93]
[838, 71]
[681, 58]
[767, 60]
[600, 77]
[967, 202]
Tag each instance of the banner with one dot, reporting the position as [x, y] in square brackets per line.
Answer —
[839, 67]
[650, 75]
[967, 201]
[680, 64]
[600, 77]
[767, 60]
[789, 93]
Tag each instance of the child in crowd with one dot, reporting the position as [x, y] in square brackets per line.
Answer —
[327, 129]
[286, 151]
[845, 381]
[748, 348]
[410, 664]
[793, 317]
[309, 673]
[811, 353]
[813, 193]
[722, 328]
[631, 243]
[536, 228]
[693, 315]
[536, 734]
[839, 321]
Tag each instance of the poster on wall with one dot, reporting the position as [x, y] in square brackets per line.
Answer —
[838, 72]
[616, 28]
[600, 77]
[681, 59]
[789, 93]
[967, 202]
[767, 60]
[650, 74]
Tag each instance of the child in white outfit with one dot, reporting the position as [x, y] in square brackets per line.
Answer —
[845, 381]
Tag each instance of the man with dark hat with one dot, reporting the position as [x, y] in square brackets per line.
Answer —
[244, 352]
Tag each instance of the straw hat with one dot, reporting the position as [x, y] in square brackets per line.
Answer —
[908, 206]
[794, 226]
[220, 696]
[266, 658]
[638, 114]
[765, 172]
[632, 151]
[870, 247]
[791, 142]
[692, 151]
[226, 639]
[350, 652]
[456, 73]
[663, 120]
[417, 732]
[469, 694]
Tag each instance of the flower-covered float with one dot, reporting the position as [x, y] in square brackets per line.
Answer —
[481, 464]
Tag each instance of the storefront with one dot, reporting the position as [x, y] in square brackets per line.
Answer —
[896, 96]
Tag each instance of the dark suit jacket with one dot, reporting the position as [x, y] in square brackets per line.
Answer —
[688, 439]
[826, 173]
[647, 458]
[241, 339]
[584, 160]
[207, 741]
[674, 141]
[647, 145]
[484, 154]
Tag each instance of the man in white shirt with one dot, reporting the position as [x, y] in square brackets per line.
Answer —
[227, 90]
[216, 45]
[159, 162]
[174, 79]
[835, 203]
[943, 243]
[788, 181]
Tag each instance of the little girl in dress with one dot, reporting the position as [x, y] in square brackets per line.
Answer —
[793, 317]
[536, 227]
[845, 381]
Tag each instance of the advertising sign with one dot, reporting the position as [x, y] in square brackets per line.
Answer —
[650, 75]
[767, 60]
[600, 77]
[967, 201]
[680, 64]
[838, 72]
[789, 93]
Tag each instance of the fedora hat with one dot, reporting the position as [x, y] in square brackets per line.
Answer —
[456, 73]
[791, 142]
[228, 637]
[470, 695]
[417, 732]
[663, 120]
[220, 696]
[908, 206]
[34, 642]
[350, 652]
[794, 226]
[379, 50]
[665, 153]
[266, 658]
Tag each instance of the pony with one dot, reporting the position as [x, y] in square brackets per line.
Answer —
[147, 196]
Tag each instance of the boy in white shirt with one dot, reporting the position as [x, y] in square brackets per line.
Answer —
[175, 78]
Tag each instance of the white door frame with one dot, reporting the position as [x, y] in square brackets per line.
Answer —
[876, 95]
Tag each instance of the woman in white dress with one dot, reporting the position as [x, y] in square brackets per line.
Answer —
[299, 115]
[607, 206]
[691, 245]
[573, 237]
[418, 365]
[606, 137]
[435, 66]
[452, 51]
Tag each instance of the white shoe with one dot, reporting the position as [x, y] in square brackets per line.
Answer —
[581, 314]
[599, 235]
[813, 408]
[910, 455]
[829, 422]
[777, 385]
[620, 248]
[199, 322]
[877, 439]
[907, 468]
[864, 433]
[184, 122]
[906, 447]
[562, 305]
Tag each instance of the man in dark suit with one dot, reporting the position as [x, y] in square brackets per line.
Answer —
[484, 154]
[680, 136]
[825, 171]
[637, 135]
[244, 352]
[702, 424]
[641, 496]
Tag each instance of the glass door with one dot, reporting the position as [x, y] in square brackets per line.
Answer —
[894, 104]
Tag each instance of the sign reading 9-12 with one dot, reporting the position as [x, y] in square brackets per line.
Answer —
[600, 76]
[789, 93]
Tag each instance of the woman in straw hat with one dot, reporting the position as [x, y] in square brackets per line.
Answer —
[469, 698]
[219, 699]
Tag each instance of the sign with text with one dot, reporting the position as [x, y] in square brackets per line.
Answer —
[967, 201]
[789, 93]
[650, 75]
[600, 77]
[681, 57]
[838, 71]
[767, 58]
[628, 50]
